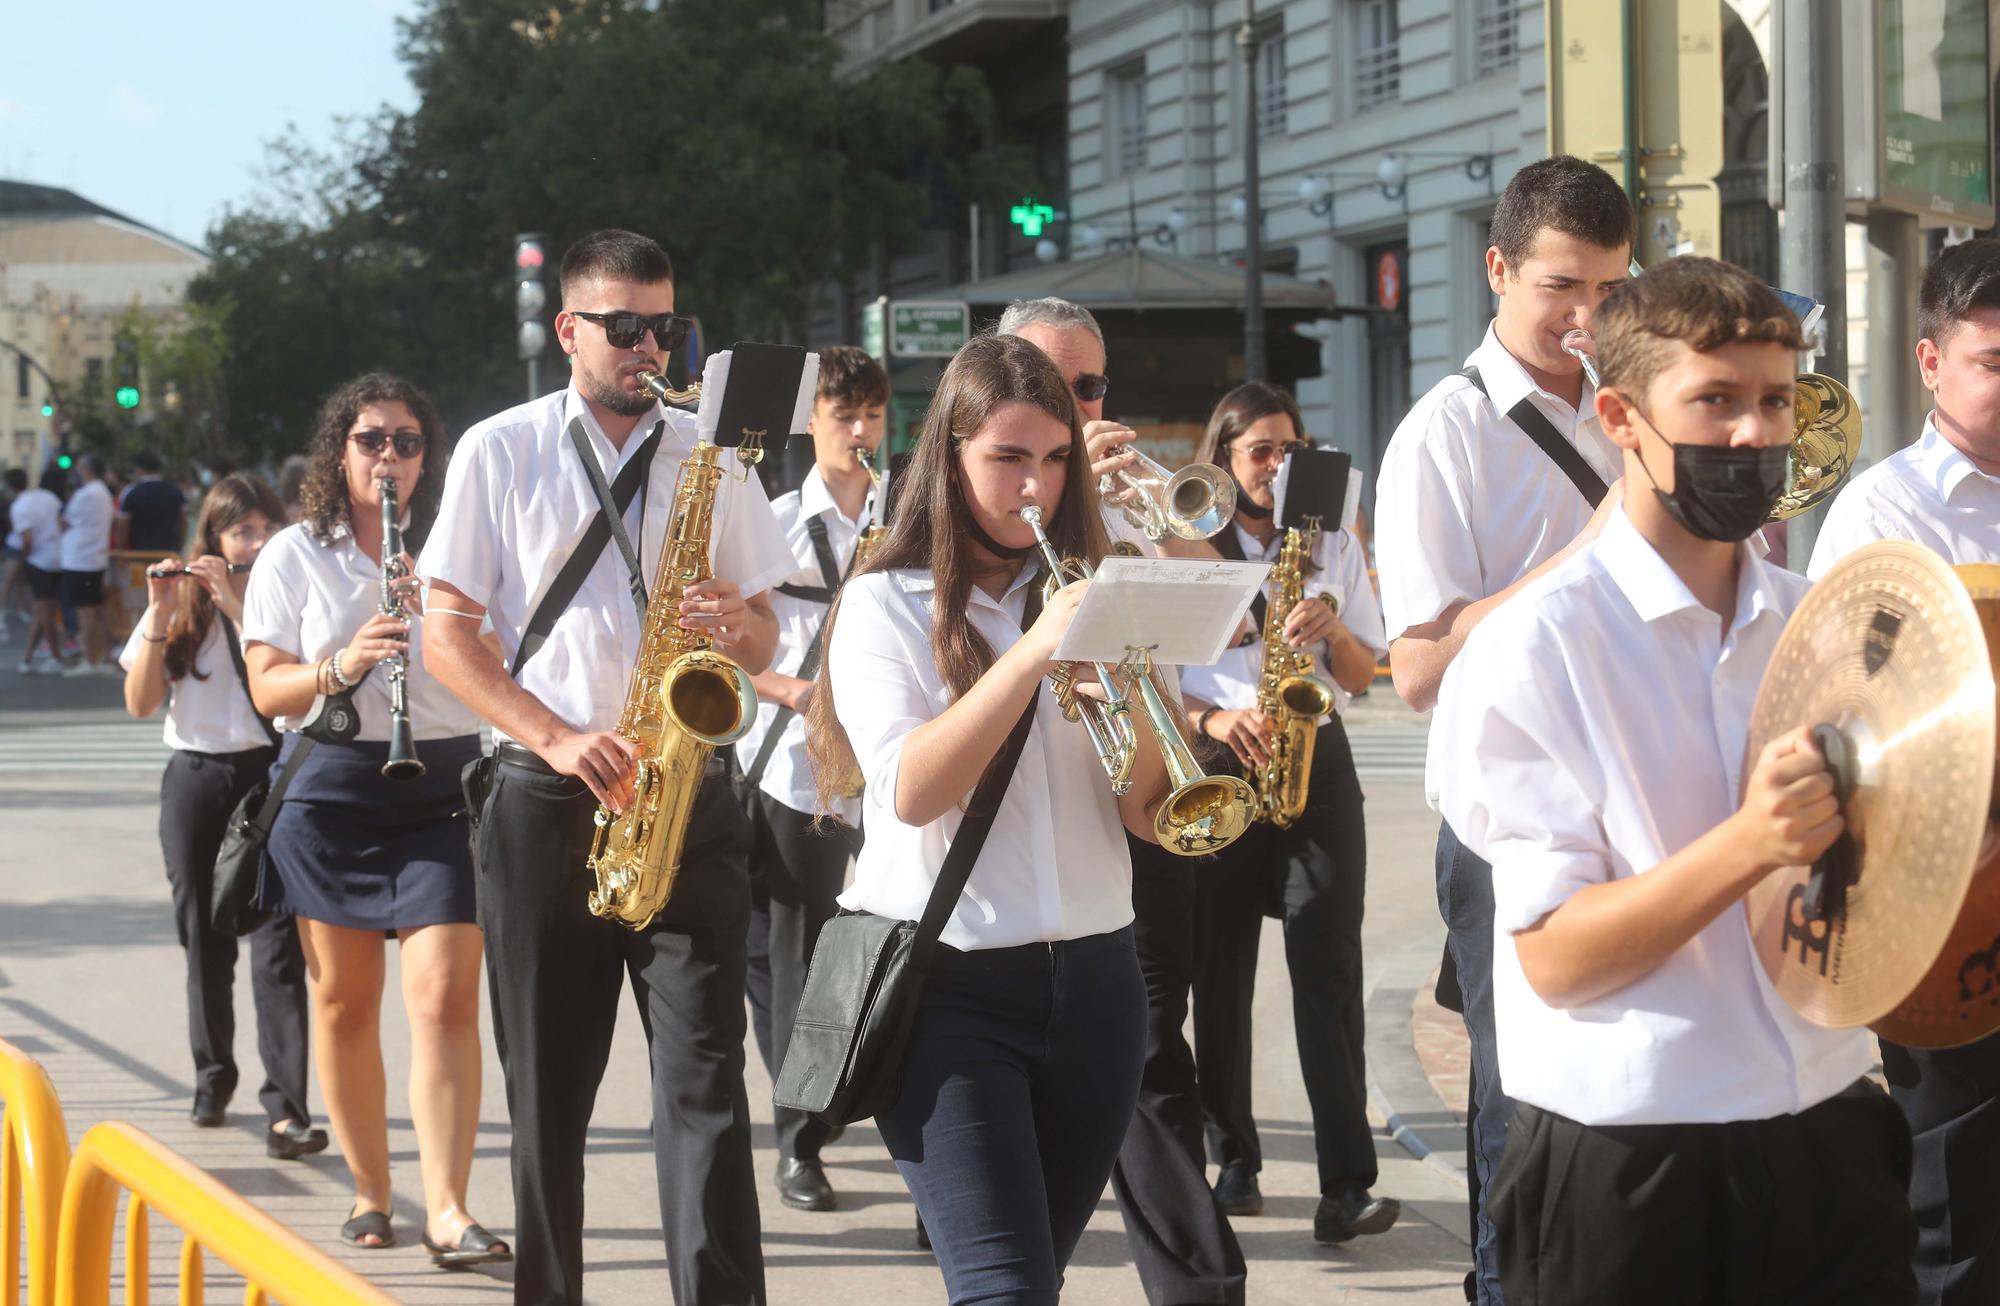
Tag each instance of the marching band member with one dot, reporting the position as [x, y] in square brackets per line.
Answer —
[1315, 870]
[553, 692]
[1180, 1238]
[352, 854]
[1680, 1134]
[1471, 501]
[1023, 1063]
[800, 860]
[1944, 493]
[182, 653]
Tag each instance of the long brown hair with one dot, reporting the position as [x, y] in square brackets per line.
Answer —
[1241, 409]
[227, 502]
[323, 501]
[926, 534]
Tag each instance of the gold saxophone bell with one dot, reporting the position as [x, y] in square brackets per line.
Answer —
[1826, 441]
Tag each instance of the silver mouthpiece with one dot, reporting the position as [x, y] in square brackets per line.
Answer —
[1576, 342]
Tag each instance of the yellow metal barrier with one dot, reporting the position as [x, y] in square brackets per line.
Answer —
[278, 1264]
[34, 1158]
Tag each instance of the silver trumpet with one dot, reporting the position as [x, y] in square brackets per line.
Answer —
[1194, 503]
[1577, 344]
[1202, 813]
[403, 762]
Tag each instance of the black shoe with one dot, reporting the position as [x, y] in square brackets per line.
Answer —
[293, 1141]
[1352, 1214]
[209, 1111]
[1236, 1191]
[802, 1185]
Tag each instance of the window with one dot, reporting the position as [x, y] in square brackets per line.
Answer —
[1378, 66]
[1496, 36]
[1125, 123]
[1271, 100]
[93, 374]
[21, 377]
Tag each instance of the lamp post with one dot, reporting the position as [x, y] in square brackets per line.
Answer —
[1253, 218]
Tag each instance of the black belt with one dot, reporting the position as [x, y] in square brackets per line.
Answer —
[529, 760]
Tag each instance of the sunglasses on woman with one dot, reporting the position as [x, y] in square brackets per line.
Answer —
[408, 443]
[624, 330]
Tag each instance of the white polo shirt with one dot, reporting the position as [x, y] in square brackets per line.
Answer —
[214, 715]
[1468, 504]
[1054, 865]
[788, 776]
[1341, 570]
[308, 596]
[39, 513]
[86, 536]
[516, 502]
[1602, 714]
[1928, 492]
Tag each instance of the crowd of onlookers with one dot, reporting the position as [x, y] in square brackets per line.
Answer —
[61, 530]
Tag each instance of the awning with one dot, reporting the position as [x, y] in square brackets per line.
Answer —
[1138, 278]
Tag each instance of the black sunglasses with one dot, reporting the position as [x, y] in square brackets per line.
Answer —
[1091, 386]
[624, 330]
[408, 443]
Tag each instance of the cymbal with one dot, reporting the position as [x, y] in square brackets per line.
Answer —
[1888, 650]
[1958, 1000]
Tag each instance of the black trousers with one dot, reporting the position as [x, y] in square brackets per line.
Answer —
[1316, 871]
[1181, 1241]
[1952, 1099]
[1806, 1208]
[1465, 899]
[802, 870]
[197, 794]
[555, 973]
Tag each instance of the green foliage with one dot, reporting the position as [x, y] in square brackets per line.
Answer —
[718, 128]
[181, 358]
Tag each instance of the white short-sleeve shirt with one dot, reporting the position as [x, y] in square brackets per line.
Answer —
[1928, 492]
[308, 596]
[1054, 865]
[213, 715]
[516, 502]
[86, 537]
[1603, 712]
[1341, 569]
[39, 513]
[788, 775]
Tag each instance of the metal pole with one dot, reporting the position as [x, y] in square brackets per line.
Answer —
[534, 389]
[1814, 252]
[1253, 213]
[1896, 398]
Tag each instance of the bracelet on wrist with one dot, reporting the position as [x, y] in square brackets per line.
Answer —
[152, 639]
[339, 677]
[1201, 721]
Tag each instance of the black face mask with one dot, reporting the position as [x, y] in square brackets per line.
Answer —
[1722, 492]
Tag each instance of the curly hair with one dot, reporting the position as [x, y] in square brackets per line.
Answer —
[323, 491]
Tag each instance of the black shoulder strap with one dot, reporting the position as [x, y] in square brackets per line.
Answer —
[635, 572]
[1230, 547]
[978, 823]
[268, 813]
[1543, 432]
[243, 674]
[834, 576]
[632, 479]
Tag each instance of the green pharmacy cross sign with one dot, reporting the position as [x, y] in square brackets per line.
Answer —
[1031, 216]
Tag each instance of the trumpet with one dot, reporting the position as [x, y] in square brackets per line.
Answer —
[403, 762]
[1826, 433]
[1202, 813]
[1194, 503]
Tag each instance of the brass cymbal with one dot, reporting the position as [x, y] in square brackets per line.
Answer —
[1888, 650]
[1958, 1001]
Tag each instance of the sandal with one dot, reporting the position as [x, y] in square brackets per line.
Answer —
[475, 1247]
[369, 1224]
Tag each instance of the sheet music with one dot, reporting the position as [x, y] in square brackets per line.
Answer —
[1186, 609]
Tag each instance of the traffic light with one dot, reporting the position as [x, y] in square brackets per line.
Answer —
[48, 409]
[531, 336]
[125, 370]
[64, 461]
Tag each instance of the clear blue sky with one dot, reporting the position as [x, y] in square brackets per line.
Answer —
[161, 110]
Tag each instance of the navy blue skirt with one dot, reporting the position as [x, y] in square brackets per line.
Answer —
[351, 848]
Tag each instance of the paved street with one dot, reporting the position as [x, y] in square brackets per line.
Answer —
[90, 983]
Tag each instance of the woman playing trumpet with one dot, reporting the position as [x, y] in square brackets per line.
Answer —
[1023, 1065]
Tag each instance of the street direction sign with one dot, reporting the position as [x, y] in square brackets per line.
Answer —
[928, 328]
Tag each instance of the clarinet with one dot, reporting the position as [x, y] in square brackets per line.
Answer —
[403, 762]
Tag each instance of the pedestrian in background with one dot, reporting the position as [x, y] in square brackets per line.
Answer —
[35, 518]
[86, 552]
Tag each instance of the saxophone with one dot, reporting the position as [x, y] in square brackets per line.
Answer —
[1289, 694]
[685, 701]
[872, 534]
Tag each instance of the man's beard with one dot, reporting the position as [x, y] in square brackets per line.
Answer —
[607, 394]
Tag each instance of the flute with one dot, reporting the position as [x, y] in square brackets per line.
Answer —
[162, 573]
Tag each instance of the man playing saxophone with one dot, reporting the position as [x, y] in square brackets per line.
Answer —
[798, 863]
[522, 540]
[1307, 862]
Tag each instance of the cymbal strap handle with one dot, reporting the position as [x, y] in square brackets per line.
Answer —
[1839, 866]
